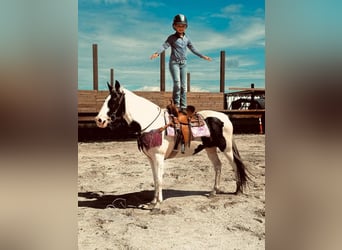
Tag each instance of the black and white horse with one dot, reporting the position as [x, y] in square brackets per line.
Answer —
[124, 104]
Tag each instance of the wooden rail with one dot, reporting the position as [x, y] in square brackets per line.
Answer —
[90, 101]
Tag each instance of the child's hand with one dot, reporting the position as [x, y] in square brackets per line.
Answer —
[207, 58]
[154, 55]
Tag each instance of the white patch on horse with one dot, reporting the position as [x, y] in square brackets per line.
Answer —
[102, 119]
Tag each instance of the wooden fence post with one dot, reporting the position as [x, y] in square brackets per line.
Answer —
[222, 70]
[188, 81]
[252, 94]
[162, 71]
[95, 68]
[112, 77]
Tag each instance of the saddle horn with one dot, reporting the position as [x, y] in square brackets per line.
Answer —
[172, 109]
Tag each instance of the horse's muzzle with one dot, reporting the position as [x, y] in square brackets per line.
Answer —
[100, 122]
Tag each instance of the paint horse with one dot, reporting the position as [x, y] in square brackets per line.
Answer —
[122, 104]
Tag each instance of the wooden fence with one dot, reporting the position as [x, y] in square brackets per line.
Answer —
[90, 102]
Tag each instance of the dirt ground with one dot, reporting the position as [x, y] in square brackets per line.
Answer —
[115, 177]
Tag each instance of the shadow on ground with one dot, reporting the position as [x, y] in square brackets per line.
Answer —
[99, 200]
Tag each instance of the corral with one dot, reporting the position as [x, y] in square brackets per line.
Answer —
[250, 120]
[114, 178]
[90, 101]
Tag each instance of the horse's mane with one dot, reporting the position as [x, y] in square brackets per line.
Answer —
[136, 105]
[138, 97]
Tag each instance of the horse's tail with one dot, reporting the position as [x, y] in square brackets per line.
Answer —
[242, 176]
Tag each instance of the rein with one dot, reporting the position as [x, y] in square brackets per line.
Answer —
[152, 121]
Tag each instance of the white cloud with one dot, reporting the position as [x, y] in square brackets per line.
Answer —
[194, 88]
[233, 8]
[149, 88]
[248, 32]
[245, 74]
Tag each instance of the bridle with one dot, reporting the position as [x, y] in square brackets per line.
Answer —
[118, 106]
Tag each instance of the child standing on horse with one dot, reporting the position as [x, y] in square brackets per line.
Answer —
[179, 42]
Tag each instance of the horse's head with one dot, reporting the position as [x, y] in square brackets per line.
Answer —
[113, 109]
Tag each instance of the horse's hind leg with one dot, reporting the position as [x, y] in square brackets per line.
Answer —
[213, 157]
[230, 157]
[239, 168]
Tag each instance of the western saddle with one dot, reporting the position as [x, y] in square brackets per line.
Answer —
[182, 121]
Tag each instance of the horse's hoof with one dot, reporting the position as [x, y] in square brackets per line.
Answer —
[215, 192]
[149, 206]
[211, 194]
[219, 191]
[238, 192]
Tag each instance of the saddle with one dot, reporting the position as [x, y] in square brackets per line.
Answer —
[184, 122]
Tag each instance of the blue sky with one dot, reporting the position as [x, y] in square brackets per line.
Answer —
[127, 32]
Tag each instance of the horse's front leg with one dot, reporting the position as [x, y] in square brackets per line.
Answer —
[158, 178]
[157, 165]
[158, 172]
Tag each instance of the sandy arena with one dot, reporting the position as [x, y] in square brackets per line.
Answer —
[115, 177]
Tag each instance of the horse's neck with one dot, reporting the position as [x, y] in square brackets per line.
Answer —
[142, 111]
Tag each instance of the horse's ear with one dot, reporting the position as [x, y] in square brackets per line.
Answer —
[117, 85]
[110, 87]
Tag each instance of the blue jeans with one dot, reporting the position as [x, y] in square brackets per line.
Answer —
[178, 73]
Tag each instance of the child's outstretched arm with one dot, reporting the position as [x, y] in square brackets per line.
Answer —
[207, 58]
[154, 55]
[164, 47]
